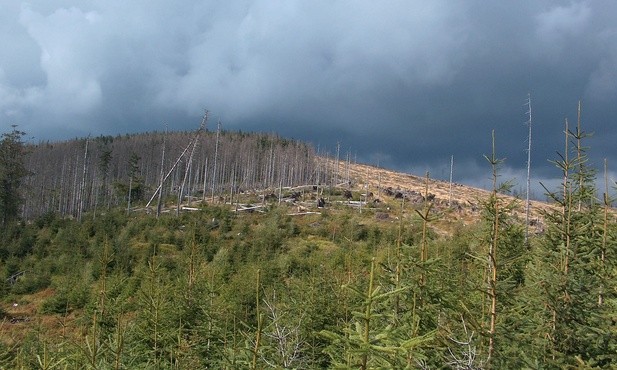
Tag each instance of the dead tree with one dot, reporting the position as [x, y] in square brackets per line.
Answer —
[527, 201]
[190, 144]
[82, 187]
[158, 204]
[203, 191]
[216, 153]
[190, 161]
[451, 171]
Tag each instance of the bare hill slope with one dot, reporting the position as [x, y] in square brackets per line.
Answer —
[461, 202]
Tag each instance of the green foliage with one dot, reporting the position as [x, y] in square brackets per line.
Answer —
[375, 337]
[574, 315]
[31, 282]
[12, 172]
[72, 292]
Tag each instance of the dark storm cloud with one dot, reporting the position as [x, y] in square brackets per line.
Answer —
[405, 83]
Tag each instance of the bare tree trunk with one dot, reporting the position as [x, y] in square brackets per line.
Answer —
[75, 191]
[216, 153]
[318, 170]
[161, 178]
[347, 180]
[83, 182]
[280, 190]
[224, 176]
[61, 197]
[451, 171]
[231, 188]
[189, 186]
[378, 181]
[203, 190]
[187, 168]
[336, 177]
[578, 152]
[128, 205]
[527, 201]
[171, 170]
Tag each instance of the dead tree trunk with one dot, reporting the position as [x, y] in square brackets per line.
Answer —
[159, 188]
[451, 171]
[158, 203]
[187, 168]
[216, 153]
[527, 201]
[82, 187]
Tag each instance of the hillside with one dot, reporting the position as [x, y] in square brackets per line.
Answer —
[77, 176]
[81, 175]
[293, 260]
[465, 201]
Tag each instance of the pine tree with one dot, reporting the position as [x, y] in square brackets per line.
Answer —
[12, 173]
[577, 329]
[504, 275]
[377, 336]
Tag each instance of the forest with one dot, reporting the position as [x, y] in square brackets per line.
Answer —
[197, 250]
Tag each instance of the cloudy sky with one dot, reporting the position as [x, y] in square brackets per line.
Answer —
[403, 83]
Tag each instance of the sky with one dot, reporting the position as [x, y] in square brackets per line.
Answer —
[403, 84]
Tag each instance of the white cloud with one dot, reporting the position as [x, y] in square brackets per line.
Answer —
[68, 58]
[557, 25]
[269, 55]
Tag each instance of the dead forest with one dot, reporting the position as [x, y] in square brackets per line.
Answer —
[95, 173]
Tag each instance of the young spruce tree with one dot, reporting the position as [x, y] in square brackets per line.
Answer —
[577, 329]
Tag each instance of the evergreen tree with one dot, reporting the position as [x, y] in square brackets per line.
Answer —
[577, 329]
[503, 257]
[12, 172]
[376, 336]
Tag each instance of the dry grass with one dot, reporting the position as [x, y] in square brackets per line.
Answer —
[457, 204]
[22, 317]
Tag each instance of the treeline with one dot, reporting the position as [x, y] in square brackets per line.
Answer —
[81, 175]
